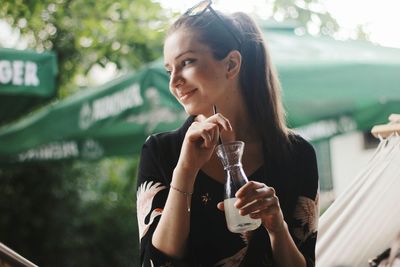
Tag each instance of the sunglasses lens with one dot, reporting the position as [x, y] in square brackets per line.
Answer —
[201, 7]
[198, 9]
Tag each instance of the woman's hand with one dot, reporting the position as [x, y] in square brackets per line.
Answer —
[200, 141]
[260, 202]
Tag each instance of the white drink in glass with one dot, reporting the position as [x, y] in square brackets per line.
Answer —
[237, 223]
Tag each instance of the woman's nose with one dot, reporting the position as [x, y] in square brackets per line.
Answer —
[176, 79]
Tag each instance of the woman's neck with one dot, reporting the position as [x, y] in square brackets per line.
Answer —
[234, 108]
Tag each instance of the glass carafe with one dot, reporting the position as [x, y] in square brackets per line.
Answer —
[230, 155]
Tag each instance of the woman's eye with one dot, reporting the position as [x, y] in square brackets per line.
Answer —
[168, 72]
[187, 62]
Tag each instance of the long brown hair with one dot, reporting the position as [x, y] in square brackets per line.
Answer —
[260, 86]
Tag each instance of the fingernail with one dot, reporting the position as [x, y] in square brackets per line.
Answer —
[235, 204]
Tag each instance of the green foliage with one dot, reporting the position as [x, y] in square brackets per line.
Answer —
[71, 214]
[82, 213]
[84, 33]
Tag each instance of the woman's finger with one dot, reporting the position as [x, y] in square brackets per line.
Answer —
[209, 134]
[250, 186]
[221, 121]
[207, 137]
[204, 131]
[201, 118]
[252, 191]
[221, 206]
[261, 204]
[269, 211]
[217, 118]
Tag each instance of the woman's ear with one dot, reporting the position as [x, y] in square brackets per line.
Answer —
[233, 63]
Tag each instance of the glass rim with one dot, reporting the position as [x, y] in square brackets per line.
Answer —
[238, 142]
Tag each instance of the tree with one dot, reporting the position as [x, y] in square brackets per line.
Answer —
[71, 213]
[85, 33]
[78, 213]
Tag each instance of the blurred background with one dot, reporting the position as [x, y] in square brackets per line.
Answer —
[82, 86]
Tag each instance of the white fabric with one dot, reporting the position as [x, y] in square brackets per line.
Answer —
[365, 218]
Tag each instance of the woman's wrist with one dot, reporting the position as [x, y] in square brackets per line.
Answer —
[186, 168]
[183, 178]
[278, 231]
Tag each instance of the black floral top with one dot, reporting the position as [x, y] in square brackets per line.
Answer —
[210, 242]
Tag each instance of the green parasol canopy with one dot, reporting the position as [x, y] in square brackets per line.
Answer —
[332, 87]
[329, 87]
[113, 119]
[27, 78]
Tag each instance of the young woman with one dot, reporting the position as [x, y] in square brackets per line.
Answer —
[220, 60]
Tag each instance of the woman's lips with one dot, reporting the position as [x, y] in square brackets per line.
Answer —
[186, 95]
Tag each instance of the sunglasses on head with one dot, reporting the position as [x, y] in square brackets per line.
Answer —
[201, 7]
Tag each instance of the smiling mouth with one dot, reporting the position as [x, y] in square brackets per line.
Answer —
[186, 95]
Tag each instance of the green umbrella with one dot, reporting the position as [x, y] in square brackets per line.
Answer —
[27, 78]
[113, 119]
[329, 87]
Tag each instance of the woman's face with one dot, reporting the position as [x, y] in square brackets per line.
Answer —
[197, 80]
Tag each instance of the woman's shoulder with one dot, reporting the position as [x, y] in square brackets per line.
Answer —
[301, 146]
[304, 158]
[303, 166]
[161, 152]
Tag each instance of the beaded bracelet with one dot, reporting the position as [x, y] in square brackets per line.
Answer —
[186, 194]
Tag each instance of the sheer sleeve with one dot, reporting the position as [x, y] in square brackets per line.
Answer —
[306, 212]
[152, 192]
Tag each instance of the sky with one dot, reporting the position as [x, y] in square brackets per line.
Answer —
[381, 18]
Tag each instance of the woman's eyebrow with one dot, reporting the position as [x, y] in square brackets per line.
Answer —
[181, 54]
[185, 52]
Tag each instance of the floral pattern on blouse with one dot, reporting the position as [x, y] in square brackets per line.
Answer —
[306, 217]
[145, 195]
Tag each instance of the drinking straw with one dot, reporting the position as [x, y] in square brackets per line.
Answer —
[219, 136]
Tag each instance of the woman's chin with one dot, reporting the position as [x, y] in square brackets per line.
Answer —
[197, 110]
[190, 111]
